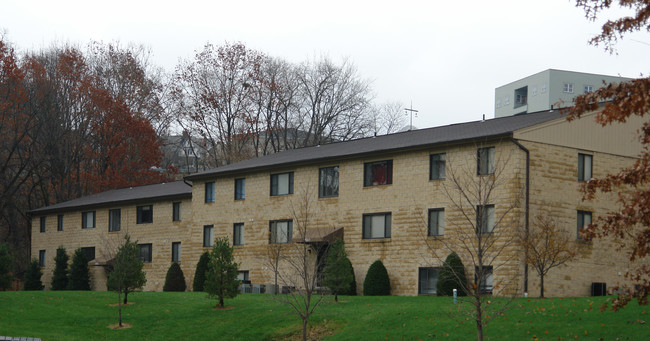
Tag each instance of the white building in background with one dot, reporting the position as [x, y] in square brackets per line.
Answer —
[547, 90]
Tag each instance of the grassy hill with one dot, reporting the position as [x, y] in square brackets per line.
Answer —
[69, 315]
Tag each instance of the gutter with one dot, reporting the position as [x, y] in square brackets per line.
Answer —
[527, 207]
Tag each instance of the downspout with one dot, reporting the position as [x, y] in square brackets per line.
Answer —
[526, 211]
[187, 183]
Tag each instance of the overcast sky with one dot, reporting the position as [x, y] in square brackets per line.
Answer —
[445, 57]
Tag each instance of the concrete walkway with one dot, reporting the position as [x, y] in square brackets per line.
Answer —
[15, 338]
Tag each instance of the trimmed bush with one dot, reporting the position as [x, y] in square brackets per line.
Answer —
[79, 275]
[60, 273]
[452, 276]
[199, 275]
[33, 276]
[377, 282]
[175, 280]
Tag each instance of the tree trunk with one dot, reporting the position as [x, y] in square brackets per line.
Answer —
[221, 301]
[479, 319]
[126, 293]
[336, 297]
[119, 308]
[304, 329]
[541, 286]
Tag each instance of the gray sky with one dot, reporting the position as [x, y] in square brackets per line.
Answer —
[445, 57]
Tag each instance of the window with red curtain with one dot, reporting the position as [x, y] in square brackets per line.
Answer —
[378, 173]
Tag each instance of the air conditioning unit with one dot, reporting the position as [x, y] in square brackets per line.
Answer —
[245, 288]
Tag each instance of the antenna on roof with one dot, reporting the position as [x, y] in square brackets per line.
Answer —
[411, 111]
[483, 118]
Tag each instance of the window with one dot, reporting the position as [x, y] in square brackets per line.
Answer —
[521, 96]
[59, 222]
[437, 166]
[282, 184]
[588, 89]
[42, 221]
[144, 214]
[240, 189]
[428, 281]
[484, 279]
[114, 220]
[485, 158]
[544, 88]
[280, 231]
[378, 173]
[209, 192]
[436, 221]
[176, 211]
[498, 103]
[585, 164]
[534, 91]
[176, 252]
[238, 234]
[568, 88]
[485, 218]
[88, 220]
[506, 100]
[243, 277]
[89, 252]
[41, 258]
[584, 219]
[376, 225]
[145, 252]
[208, 235]
[328, 182]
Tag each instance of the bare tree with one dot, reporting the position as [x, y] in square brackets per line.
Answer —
[300, 266]
[547, 246]
[388, 118]
[216, 92]
[482, 224]
[334, 100]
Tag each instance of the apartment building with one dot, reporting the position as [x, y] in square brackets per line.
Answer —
[389, 197]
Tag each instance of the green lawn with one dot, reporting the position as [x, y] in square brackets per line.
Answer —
[59, 315]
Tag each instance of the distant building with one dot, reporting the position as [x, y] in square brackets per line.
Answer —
[547, 90]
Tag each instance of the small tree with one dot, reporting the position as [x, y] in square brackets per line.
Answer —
[221, 277]
[79, 275]
[547, 247]
[127, 274]
[337, 274]
[377, 282]
[60, 273]
[175, 280]
[6, 259]
[452, 276]
[33, 276]
[352, 290]
[199, 274]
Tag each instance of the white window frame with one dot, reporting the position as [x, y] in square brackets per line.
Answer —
[377, 225]
[436, 225]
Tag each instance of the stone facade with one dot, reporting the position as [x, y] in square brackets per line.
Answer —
[160, 234]
[553, 189]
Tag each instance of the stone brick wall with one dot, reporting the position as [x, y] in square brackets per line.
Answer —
[161, 233]
[554, 190]
[408, 199]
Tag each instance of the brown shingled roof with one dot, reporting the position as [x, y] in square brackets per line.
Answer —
[169, 190]
[503, 126]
